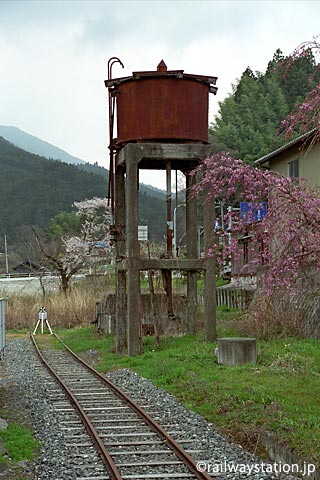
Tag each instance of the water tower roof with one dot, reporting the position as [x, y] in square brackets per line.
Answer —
[163, 72]
[162, 67]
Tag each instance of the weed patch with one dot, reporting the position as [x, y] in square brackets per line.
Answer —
[19, 443]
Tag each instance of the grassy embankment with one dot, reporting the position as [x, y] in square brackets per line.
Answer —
[280, 393]
[17, 441]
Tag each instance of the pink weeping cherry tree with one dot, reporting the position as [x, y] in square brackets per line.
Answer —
[306, 115]
[285, 244]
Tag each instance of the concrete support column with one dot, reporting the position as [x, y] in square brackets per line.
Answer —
[132, 253]
[191, 228]
[209, 276]
[121, 276]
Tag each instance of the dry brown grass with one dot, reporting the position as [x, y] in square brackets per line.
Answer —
[282, 315]
[75, 309]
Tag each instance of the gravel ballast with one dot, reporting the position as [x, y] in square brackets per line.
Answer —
[34, 386]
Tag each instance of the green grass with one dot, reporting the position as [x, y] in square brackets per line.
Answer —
[19, 443]
[280, 393]
[18, 331]
[181, 281]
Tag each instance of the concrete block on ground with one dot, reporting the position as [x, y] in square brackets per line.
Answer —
[236, 351]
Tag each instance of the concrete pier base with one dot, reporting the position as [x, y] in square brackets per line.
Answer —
[236, 351]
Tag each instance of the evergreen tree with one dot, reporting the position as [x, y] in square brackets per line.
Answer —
[64, 223]
[304, 117]
[298, 79]
[249, 119]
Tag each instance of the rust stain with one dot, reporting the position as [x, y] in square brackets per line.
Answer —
[162, 105]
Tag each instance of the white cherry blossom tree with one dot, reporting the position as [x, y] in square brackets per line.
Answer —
[71, 253]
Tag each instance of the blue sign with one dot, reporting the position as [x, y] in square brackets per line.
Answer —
[102, 244]
[253, 212]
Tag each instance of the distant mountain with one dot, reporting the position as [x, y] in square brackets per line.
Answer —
[148, 189]
[35, 145]
[33, 189]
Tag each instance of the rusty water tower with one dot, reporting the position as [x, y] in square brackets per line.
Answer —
[163, 106]
[162, 123]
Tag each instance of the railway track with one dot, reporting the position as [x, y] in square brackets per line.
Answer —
[110, 434]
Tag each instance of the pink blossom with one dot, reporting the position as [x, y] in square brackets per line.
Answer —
[304, 117]
[285, 243]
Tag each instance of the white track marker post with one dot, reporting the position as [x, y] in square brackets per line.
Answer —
[43, 317]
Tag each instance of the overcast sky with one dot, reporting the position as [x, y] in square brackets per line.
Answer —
[53, 56]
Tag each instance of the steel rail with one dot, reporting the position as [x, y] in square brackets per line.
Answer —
[171, 443]
[104, 454]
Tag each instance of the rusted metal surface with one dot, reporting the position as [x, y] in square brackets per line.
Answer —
[162, 109]
[112, 102]
[162, 105]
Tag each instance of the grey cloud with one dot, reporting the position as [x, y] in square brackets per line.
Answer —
[173, 22]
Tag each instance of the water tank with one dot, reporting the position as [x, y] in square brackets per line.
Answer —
[162, 106]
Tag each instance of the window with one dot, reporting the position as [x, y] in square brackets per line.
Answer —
[293, 168]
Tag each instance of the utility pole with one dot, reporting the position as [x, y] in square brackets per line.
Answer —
[6, 253]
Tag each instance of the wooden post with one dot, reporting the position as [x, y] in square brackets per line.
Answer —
[121, 276]
[209, 275]
[168, 273]
[179, 156]
[192, 252]
[132, 253]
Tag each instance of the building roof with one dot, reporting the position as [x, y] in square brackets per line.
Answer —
[27, 265]
[300, 139]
